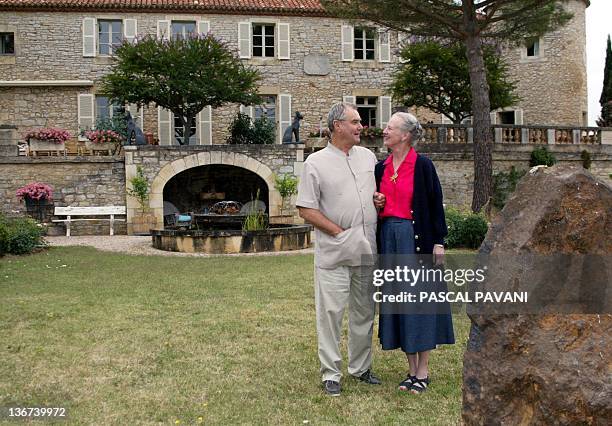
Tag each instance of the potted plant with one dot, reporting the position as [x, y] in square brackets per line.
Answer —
[286, 185]
[143, 222]
[47, 139]
[102, 140]
[37, 197]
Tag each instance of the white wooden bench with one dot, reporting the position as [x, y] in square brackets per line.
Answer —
[70, 212]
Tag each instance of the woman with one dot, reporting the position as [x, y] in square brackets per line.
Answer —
[411, 222]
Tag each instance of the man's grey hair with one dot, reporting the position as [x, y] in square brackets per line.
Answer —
[410, 124]
[338, 112]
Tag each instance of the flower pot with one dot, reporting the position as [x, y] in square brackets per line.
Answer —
[142, 223]
[38, 209]
[94, 148]
[36, 146]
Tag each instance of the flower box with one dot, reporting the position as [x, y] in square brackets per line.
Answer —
[36, 146]
[94, 147]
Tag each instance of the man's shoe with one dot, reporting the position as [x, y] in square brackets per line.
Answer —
[331, 387]
[369, 378]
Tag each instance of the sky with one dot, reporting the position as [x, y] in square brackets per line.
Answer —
[598, 26]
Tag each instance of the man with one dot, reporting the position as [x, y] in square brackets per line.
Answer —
[336, 195]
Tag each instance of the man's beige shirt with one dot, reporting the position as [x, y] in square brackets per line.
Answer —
[342, 187]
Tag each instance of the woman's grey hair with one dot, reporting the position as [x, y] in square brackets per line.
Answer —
[410, 124]
[338, 112]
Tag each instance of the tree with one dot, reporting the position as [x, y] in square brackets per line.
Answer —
[470, 22]
[436, 76]
[181, 75]
[605, 99]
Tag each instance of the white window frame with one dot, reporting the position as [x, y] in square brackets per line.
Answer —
[541, 51]
[264, 37]
[183, 34]
[364, 49]
[121, 32]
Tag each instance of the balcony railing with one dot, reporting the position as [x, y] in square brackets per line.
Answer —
[519, 134]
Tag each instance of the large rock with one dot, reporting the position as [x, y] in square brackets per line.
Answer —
[529, 368]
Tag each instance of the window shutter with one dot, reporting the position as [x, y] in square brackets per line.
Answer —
[137, 114]
[85, 107]
[244, 39]
[163, 30]
[284, 120]
[493, 116]
[129, 29]
[347, 43]
[203, 27]
[283, 41]
[349, 99]
[385, 111]
[89, 37]
[402, 40]
[164, 126]
[384, 46]
[248, 110]
[205, 125]
[445, 120]
[518, 116]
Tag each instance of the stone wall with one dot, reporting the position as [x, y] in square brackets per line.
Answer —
[553, 90]
[76, 182]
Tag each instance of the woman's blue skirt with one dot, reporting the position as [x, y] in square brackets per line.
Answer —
[411, 332]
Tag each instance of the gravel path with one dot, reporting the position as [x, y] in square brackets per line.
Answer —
[140, 245]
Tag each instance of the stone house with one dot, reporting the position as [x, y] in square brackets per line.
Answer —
[53, 54]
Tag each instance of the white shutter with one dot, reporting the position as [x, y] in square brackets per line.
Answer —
[205, 125]
[385, 111]
[203, 27]
[137, 114]
[248, 110]
[402, 40]
[244, 39]
[445, 120]
[89, 37]
[164, 126]
[347, 43]
[349, 99]
[283, 41]
[130, 29]
[384, 46]
[163, 30]
[493, 116]
[518, 116]
[85, 108]
[284, 116]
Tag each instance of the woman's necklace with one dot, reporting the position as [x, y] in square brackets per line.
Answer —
[393, 177]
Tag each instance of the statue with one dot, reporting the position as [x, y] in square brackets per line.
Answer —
[294, 129]
[134, 133]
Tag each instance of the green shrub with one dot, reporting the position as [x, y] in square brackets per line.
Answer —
[541, 156]
[242, 131]
[504, 184]
[585, 156]
[256, 220]
[263, 132]
[20, 235]
[286, 185]
[140, 187]
[465, 229]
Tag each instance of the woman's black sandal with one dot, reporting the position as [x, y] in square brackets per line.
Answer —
[419, 385]
[406, 384]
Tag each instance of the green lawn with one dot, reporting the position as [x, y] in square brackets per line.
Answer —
[122, 339]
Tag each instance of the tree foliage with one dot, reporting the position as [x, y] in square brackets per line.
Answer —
[436, 76]
[471, 22]
[181, 75]
[605, 100]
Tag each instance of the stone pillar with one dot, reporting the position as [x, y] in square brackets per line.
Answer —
[606, 136]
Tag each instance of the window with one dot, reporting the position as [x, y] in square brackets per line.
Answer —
[367, 107]
[506, 117]
[183, 29]
[533, 47]
[179, 134]
[110, 36]
[7, 43]
[364, 43]
[105, 109]
[263, 40]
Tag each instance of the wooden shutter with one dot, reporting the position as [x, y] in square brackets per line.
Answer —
[283, 41]
[137, 114]
[384, 45]
[284, 115]
[518, 116]
[205, 126]
[163, 30]
[164, 126]
[349, 99]
[244, 39]
[493, 116]
[89, 37]
[203, 27]
[85, 108]
[348, 53]
[385, 111]
[130, 29]
[248, 110]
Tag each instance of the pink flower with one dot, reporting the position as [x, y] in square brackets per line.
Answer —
[49, 134]
[35, 191]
